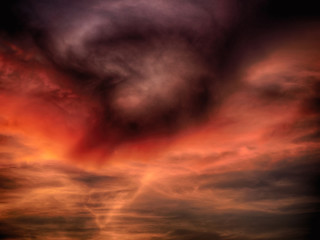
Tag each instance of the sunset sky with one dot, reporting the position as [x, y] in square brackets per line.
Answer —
[159, 120]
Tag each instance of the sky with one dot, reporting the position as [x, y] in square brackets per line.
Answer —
[159, 120]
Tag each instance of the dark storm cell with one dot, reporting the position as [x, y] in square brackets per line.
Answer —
[150, 68]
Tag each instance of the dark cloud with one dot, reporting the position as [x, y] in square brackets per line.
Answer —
[148, 69]
[39, 227]
[312, 137]
[96, 181]
[9, 231]
[8, 183]
[289, 178]
[312, 103]
[186, 221]
[305, 207]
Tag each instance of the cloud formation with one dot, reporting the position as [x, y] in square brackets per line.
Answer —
[164, 120]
